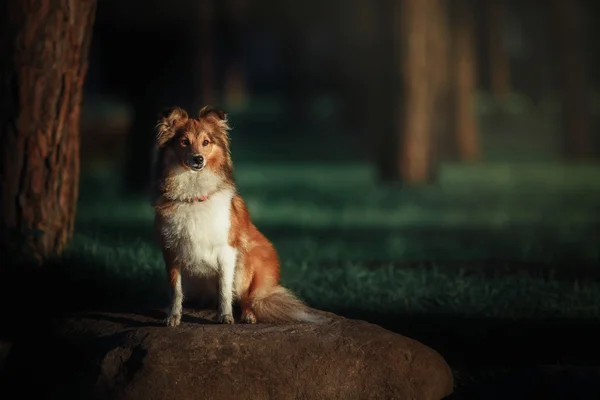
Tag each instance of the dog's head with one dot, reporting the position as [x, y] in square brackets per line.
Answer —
[196, 143]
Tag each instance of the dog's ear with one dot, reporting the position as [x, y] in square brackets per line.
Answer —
[216, 115]
[208, 111]
[169, 119]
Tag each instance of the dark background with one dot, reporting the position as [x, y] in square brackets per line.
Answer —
[292, 73]
[493, 263]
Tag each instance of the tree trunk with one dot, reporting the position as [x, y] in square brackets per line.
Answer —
[45, 50]
[440, 53]
[418, 83]
[498, 55]
[572, 79]
[416, 88]
[464, 79]
[234, 90]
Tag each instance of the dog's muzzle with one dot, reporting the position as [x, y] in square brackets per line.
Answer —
[197, 163]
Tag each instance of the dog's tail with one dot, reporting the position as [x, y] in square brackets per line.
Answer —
[281, 305]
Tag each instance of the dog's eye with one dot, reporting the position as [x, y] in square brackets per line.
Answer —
[205, 143]
[185, 142]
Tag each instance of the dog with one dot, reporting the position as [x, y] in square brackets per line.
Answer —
[211, 249]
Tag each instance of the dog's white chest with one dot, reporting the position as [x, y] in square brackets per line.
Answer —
[198, 231]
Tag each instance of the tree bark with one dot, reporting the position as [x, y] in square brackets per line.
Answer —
[440, 52]
[45, 45]
[572, 79]
[465, 82]
[499, 60]
[418, 86]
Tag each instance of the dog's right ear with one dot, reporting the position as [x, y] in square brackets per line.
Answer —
[169, 120]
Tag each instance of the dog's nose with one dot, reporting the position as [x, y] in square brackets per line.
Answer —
[198, 160]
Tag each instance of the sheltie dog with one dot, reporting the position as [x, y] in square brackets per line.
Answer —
[211, 249]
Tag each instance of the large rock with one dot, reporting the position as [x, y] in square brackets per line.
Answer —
[134, 356]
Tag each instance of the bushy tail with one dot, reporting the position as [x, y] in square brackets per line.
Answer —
[281, 305]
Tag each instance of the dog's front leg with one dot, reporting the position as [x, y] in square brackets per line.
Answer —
[227, 258]
[176, 307]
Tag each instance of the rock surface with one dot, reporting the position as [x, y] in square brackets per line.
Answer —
[134, 356]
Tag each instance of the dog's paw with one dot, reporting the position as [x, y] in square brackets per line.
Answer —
[174, 320]
[248, 317]
[226, 319]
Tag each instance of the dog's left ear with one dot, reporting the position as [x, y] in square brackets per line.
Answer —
[216, 115]
[208, 111]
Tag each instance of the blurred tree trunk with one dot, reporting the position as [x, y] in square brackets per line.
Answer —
[441, 46]
[418, 51]
[499, 60]
[234, 80]
[464, 77]
[234, 91]
[416, 124]
[45, 46]
[572, 78]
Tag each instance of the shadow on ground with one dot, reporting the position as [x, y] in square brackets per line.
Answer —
[491, 358]
[504, 358]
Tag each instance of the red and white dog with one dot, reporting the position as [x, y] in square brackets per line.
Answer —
[211, 248]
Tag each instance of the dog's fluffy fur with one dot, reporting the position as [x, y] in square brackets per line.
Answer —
[211, 248]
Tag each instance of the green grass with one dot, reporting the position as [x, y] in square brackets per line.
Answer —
[496, 267]
[343, 239]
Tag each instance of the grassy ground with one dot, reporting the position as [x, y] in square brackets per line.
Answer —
[496, 266]
[341, 237]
